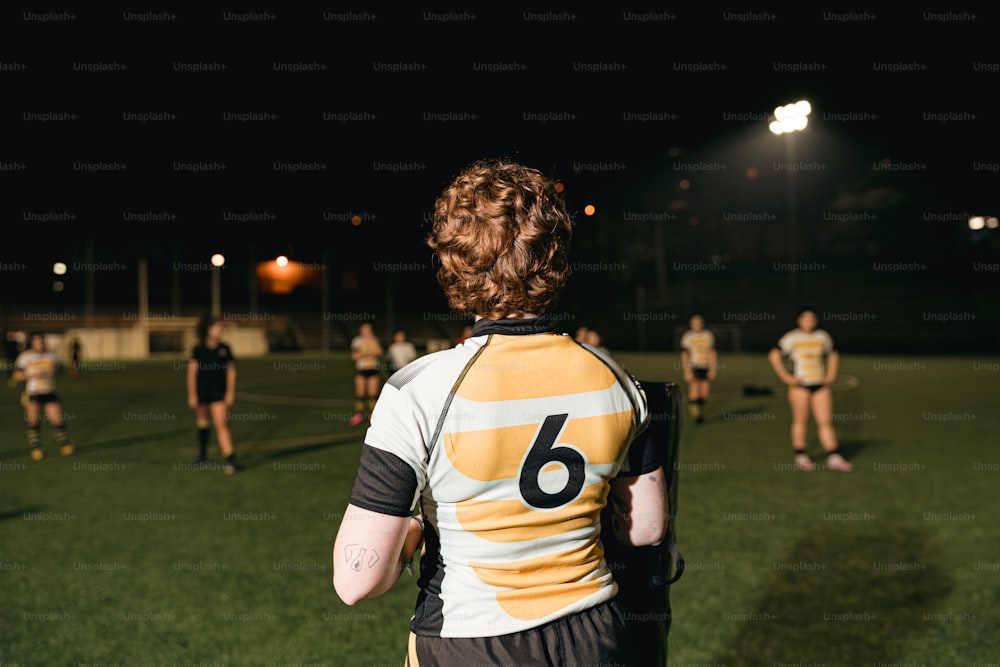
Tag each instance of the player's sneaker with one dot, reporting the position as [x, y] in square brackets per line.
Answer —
[838, 463]
[37, 453]
[67, 449]
[356, 419]
[231, 467]
[803, 462]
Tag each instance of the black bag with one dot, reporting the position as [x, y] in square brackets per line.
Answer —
[644, 574]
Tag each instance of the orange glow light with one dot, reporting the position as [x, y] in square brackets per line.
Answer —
[276, 278]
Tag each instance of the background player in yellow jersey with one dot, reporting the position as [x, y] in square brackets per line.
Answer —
[699, 360]
[366, 351]
[511, 444]
[38, 368]
[814, 368]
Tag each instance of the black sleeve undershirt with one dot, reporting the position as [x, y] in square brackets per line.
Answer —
[644, 454]
[385, 483]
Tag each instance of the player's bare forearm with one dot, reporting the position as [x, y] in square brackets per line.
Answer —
[775, 358]
[192, 384]
[230, 384]
[640, 508]
[370, 552]
[832, 365]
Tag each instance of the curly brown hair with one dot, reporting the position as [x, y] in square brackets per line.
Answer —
[501, 233]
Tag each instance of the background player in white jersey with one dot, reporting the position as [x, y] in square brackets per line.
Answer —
[401, 351]
[511, 443]
[699, 360]
[814, 368]
[37, 368]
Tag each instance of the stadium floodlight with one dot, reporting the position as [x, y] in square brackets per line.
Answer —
[59, 268]
[792, 117]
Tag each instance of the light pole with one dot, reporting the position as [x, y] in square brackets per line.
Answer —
[218, 261]
[324, 305]
[789, 119]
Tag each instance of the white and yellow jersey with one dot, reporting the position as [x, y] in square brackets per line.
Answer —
[699, 345]
[513, 437]
[368, 349]
[808, 351]
[41, 369]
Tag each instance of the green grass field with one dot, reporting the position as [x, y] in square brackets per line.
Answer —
[122, 554]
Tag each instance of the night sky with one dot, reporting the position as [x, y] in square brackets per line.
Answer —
[170, 136]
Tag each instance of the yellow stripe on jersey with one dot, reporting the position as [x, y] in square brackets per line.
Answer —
[545, 600]
[808, 356]
[511, 521]
[490, 454]
[591, 436]
[530, 358]
[411, 652]
[531, 593]
[494, 454]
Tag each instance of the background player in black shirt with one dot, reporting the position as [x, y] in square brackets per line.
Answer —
[211, 385]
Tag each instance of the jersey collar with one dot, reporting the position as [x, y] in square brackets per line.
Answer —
[513, 327]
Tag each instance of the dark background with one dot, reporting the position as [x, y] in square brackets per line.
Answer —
[659, 121]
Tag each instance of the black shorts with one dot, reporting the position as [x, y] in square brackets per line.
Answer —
[208, 398]
[813, 388]
[42, 399]
[596, 636]
[700, 372]
[371, 372]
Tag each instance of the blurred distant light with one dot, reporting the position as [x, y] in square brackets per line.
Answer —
[752, 173]
[218, 260]
[992, 222]
[674, 151]
[791, 117]
[560, 186]
[977, 222]
[356, 220]
[685, 184]
[589, 209]
[283, 275]
[59, 268]
[694, 220]
[57, 286]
